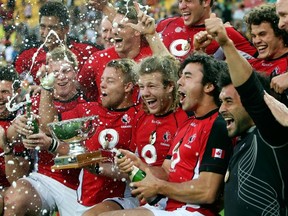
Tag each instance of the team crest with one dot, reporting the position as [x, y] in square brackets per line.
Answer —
[126, 119]
[167, 136]
[191, 138]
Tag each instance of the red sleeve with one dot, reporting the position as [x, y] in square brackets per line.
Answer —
[83, 51]
[26, 59]
[241, 43]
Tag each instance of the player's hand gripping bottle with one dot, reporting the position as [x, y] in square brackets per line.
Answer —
[137, 175]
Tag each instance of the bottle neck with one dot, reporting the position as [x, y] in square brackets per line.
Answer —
[29, 110]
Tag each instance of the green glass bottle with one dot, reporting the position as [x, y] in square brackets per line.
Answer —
[137, 175]
[31, 120]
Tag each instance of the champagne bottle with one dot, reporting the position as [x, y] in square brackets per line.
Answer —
[31, 120]
[137, 175]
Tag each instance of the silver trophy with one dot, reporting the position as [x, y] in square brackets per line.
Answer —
[74, 132]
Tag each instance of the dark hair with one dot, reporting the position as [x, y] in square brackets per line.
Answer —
[211, 68]
[265, 13]
[126, 66]
[62, 53]
[211, 2]
[8, 73]
[57, 9]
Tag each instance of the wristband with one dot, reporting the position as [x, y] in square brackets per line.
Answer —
[54, 145]
[10, 152]
[97, 169]
[46, 88]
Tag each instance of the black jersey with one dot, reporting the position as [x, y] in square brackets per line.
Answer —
[258, 170]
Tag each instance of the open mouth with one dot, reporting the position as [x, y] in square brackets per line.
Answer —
[182, 96]
[62, 84]
[151, 102]
[261, 48]
[118, 40]
[229, 121]
[104, 94]
[186, 15]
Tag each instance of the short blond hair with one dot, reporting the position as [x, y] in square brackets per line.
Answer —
[62, 53]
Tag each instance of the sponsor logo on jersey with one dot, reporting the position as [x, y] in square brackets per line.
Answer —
[190, 141]
[126, 119]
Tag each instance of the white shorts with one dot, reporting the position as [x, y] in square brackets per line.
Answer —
[178, 212]
[81, 209]
[130, 202]
[54, 195]
[126, 202]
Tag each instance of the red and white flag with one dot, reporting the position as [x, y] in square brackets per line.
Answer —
[218, 153]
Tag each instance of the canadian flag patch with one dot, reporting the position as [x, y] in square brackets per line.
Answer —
[218, 153]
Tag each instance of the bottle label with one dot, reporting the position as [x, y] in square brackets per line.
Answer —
[133, 172]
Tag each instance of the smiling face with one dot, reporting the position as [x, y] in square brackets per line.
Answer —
[48, 23]
[194, 12]
[157, 97]
[265, 41]
[106, 32]
[126, 39]
[191, 87]
[232, 110]
[113, 89]
[65, 79]
[6, 91]
[282, 11]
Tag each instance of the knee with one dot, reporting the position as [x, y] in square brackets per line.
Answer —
[18, 197]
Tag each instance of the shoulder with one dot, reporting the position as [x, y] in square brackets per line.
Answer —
[140, 114]
[164, 23]
[219, 123]
[84, 45]
[106, 55]
[232, 32]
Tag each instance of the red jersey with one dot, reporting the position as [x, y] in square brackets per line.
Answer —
[90, 75]
[26, 63]
[153, 135]
[201, 144]
[114, 129]
[4, 123]
[178, 39]
[272, 66]
[68, 177]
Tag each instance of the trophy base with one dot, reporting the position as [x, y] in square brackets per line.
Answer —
[77, 161]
